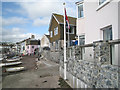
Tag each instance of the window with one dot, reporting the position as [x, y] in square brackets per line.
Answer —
[80, 10]
[101, 1]
[23, 47]
[51, 33]
[32, 46]
[82, 40]
[107, 33]
[71, 30]
[56, 31]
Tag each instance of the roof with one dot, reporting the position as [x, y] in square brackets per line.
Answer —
[48, 36]
[60, 19]
[81, 1]
[23, 41]
[33, 42]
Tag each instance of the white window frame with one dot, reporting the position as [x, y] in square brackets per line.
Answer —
[55, 30]
[102, 2]
[81, 4]
[102, 5]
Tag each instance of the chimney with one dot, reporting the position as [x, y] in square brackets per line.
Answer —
[33, 36]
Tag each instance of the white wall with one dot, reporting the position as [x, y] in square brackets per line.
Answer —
[119, 33]
[95, 20]
[44, 41]
[80, 26]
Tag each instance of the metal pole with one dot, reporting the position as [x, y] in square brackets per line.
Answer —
[64, 44]
[68, 38]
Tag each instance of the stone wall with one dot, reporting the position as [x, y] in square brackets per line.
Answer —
[94, 75]
[51, 55]
[99, 73]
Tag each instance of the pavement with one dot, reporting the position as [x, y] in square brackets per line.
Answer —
[40, 74]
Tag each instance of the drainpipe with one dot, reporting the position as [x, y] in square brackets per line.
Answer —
[77, 27]
[78, 40]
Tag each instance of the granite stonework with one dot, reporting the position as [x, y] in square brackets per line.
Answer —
[102, 52]
[98, 73]
[51, 55]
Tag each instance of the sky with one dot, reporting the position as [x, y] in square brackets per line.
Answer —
[22, 18]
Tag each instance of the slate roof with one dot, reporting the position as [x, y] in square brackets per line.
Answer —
[48, 36]
[60, 18]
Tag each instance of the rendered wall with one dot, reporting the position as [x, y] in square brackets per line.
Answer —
[44, 42]
[119, 32]
[31, 50]
[95, 20]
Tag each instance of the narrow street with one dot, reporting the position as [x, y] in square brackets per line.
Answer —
[43, 74]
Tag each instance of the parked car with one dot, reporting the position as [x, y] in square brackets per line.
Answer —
[46, 48]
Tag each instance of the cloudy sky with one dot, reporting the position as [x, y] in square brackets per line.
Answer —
[25, 17]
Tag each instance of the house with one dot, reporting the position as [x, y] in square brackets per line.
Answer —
[45, 41]
[32, 46]
[21, 46]
[56, 31]
[99, 20]
[6, 47]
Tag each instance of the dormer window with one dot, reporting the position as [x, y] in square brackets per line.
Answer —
[80, 10]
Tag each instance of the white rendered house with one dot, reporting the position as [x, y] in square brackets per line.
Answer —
[45, 42]
[98, 20]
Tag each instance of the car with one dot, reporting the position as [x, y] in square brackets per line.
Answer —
[46, 48]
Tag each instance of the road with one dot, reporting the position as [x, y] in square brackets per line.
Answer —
[43, 74]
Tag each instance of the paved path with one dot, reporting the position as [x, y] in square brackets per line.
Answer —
[46, 75]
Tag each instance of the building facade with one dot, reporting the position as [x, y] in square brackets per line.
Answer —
[56, 31]
[45, 41]
[98, 20]
[32, 46]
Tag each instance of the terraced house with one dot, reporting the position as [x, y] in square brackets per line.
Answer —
[99, 20]
[95, 62]
[32, 46]
[56, 31]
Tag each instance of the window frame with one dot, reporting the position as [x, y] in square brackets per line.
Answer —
[102, 2]
[23, 47]
[51, 33]
[56, 30]
[79, 12]
[32, 47]
[73, 29]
